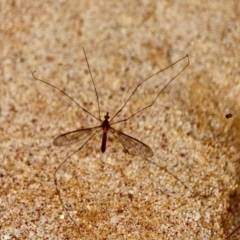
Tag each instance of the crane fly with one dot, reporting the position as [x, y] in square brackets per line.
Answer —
[131, 145]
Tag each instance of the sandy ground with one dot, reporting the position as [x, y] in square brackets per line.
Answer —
[115, 195]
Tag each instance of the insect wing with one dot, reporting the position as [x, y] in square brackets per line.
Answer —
[75, 136]
[132, 145]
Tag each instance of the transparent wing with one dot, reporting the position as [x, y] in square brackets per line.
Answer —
[132, 145]
[75, 136]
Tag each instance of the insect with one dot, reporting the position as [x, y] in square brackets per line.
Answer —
[131, 145]
[229, 115]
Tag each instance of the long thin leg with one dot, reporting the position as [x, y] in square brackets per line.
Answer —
[56, 182]
[156, 96]
[233, 232]
[93, 83]
[85, 110]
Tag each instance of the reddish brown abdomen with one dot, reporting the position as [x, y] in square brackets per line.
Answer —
[104, 141]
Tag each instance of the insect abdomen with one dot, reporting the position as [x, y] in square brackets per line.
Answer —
[104, 141]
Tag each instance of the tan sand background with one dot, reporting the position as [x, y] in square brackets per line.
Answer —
[114, 195]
